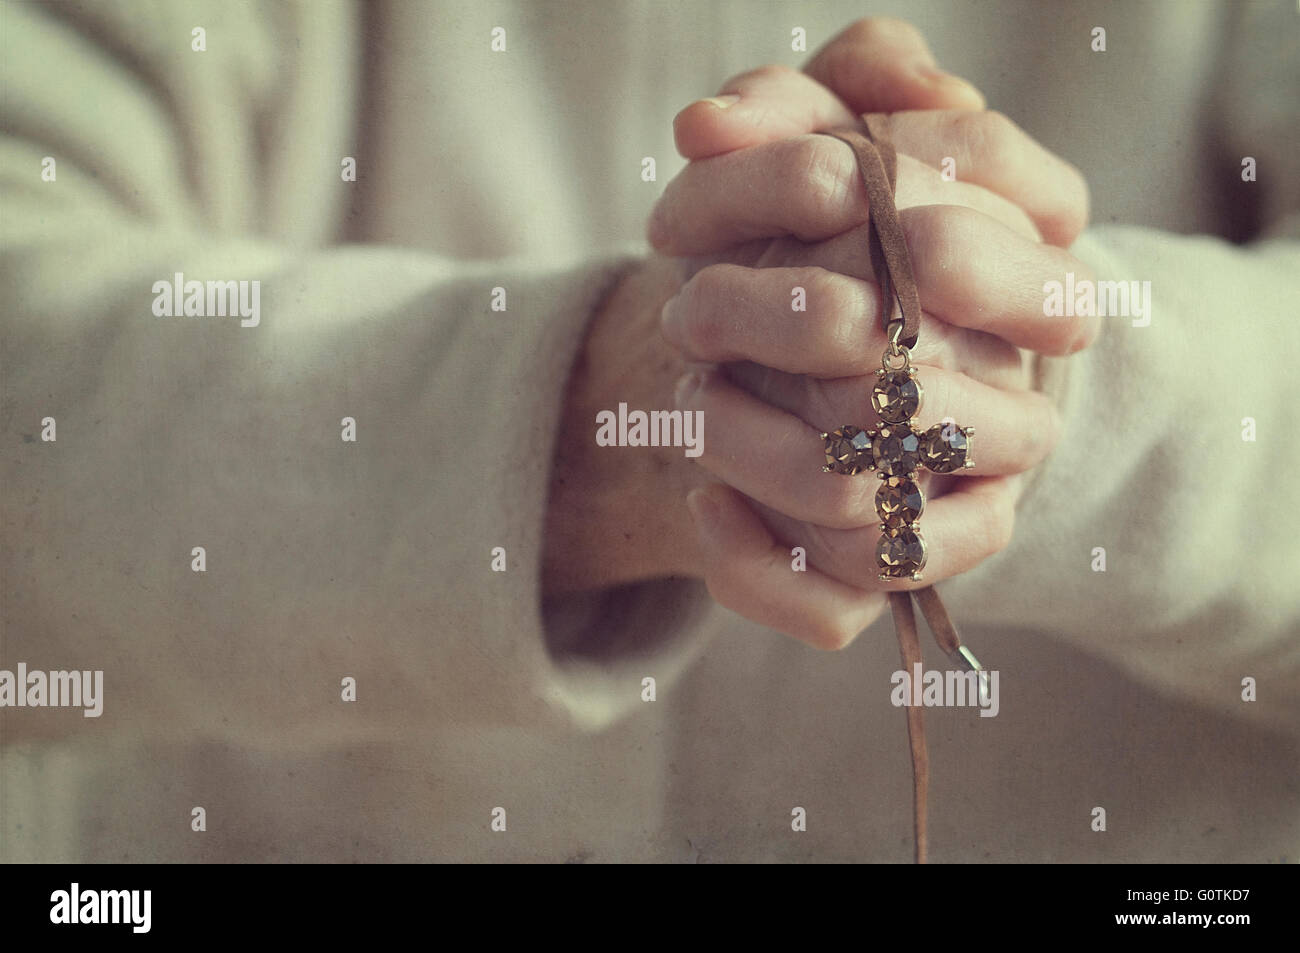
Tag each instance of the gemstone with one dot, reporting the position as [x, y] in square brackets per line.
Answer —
[897, 450]
[901, 554]
[896, 397]
[848, 450]
[899, 501]
[945, 448]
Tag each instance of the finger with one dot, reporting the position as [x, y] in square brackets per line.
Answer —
[772, 449]
[988, 149]
[876, 65]
[748, 572]
[730, 313]
[971, 271]
[881, 64]
[1016, 429]
[774, 102]
[960, 530]
[808, 187]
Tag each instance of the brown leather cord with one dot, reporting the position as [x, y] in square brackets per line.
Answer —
[887, 246]
[892, 267]
[936, 617]
[909, 647]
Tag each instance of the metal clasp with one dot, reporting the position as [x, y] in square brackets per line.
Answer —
[966, 658]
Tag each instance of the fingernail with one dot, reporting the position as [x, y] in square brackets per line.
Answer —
[703, 508]
[723, 102]
[672, 322]
[686, 386]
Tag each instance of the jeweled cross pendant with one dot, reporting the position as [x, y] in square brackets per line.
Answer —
[896, 452]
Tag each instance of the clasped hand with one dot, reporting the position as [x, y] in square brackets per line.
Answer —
[770, 215]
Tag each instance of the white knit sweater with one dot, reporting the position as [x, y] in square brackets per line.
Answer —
[372, 559]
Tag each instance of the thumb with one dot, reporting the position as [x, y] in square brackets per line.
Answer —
[881, 64]
[876, 65]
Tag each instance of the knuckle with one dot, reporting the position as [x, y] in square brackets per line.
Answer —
[824, 288]
[942, 236]
[821, 167]
[838, 308]
[994, 137]
[704, 334]
[947, 348]
[702, 328]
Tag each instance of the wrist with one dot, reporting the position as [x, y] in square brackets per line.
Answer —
[616, 515]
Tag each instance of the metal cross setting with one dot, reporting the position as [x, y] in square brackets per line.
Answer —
[896, 452]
